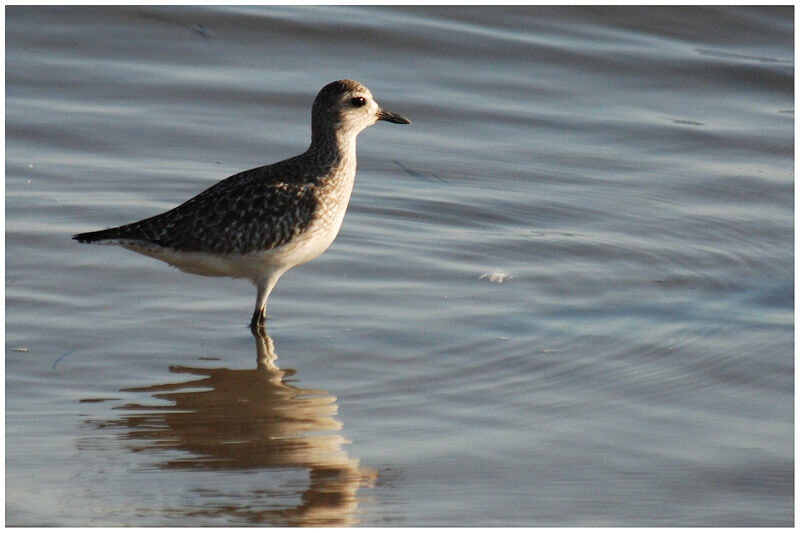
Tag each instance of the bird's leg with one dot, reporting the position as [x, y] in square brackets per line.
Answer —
[258, 319]
[260, 313]
[264, 286]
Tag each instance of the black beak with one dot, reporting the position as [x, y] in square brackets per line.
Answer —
[392, 117]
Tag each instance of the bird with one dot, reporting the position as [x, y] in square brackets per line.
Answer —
[259, 223]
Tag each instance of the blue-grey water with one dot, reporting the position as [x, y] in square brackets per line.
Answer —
[563, 297]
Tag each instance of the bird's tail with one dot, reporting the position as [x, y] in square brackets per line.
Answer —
[98, 237]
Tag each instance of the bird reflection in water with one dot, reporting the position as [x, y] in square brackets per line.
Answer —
[252, 420]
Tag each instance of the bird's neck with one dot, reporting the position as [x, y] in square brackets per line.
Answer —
[332, 150]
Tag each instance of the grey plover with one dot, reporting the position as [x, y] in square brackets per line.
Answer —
[259, 223]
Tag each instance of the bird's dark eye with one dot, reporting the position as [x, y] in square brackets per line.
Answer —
[358, 101]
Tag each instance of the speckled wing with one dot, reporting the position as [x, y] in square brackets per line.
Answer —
[248, 212]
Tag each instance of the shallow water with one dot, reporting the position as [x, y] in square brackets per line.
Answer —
[564, 296]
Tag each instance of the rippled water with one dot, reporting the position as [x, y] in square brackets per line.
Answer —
[563, 297]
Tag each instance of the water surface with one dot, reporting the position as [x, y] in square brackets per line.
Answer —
[563, 297]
